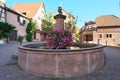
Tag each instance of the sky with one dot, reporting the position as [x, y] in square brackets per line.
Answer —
[86, 10]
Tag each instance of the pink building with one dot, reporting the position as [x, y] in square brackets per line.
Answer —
[19, 16]
[36, 12]
[17, 19]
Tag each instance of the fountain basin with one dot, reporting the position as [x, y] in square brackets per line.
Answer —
[60, 62]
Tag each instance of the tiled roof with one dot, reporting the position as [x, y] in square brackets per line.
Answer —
[91, 25]
[30, 8]
[15, 12]
[107, 20]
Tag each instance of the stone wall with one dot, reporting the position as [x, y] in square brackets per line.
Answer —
[107, 36]
[61, 63]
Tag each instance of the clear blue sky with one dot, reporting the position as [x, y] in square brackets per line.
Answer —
[86, 10]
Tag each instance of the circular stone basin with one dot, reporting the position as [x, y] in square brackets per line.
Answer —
[60, 62]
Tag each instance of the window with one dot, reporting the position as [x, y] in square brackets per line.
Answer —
[21, 20]
[100, 35]
[108, 35]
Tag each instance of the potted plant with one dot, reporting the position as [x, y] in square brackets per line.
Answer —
[20, 39]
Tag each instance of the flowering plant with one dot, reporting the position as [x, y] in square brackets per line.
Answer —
[59, 39]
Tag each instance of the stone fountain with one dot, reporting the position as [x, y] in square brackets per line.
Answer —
[60, 62]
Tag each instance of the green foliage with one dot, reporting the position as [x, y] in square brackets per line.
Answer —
[30, 30]
[29, 37]
[71, 23]
[5, 29]
[48, 22]
[76, 34]
[20, 39]
[46, 25]
[31, 26]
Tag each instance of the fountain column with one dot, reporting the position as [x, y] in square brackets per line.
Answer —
[59, 18]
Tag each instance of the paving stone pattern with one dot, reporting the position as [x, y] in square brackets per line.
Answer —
[10, 71]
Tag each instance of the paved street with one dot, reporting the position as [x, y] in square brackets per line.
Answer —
[10, 71]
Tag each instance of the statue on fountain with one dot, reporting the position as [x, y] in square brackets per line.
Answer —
[60, 10]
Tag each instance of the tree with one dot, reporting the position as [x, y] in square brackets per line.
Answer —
[48, 22]
[76, 34]
[30, 30]
[71, 23]
[20, 39]
[5, 30]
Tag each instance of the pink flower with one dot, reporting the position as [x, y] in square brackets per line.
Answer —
[59, 39]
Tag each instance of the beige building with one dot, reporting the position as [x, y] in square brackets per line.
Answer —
[35, 11]
[87, 32]
[107, 31]
[70, 19]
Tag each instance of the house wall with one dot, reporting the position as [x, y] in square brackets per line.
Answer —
[69, 16]
[39, 16]
[12, 19]
[95, 37]
[109, 36]
[86, 36]
[38, 37]
[38, 19]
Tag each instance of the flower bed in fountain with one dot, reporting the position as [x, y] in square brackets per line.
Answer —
[59, 39]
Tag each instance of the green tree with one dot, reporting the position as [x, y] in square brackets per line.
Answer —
[30, 30]
[48, 22]
[20, 39]
[71, 23]
[5, 30]
[76, 34]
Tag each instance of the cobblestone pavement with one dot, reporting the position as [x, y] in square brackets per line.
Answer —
[10, 71]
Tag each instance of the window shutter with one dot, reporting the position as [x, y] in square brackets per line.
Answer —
[18, 18]
[24, 21]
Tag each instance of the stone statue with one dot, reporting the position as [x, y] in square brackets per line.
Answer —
[60, 10]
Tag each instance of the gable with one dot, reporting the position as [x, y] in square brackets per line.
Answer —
[30, 9]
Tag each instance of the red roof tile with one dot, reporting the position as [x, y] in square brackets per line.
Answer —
[30, 8]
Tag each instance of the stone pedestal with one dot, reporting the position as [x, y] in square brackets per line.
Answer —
[60, 20]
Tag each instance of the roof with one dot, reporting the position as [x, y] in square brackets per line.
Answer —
[91, 25]
[16, 12]
[30, 8]
[107, 20]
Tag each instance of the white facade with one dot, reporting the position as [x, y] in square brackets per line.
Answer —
[2, 11]
[69, 17]
[4, 1]
[39, 16]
